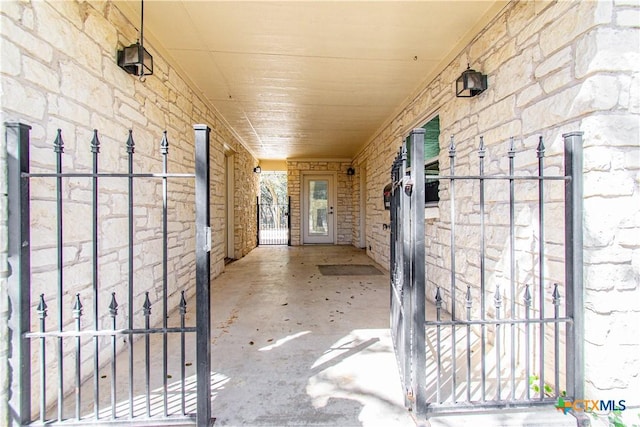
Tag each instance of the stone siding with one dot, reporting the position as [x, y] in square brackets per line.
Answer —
[343, 210]
[553, 67]
[58, 70]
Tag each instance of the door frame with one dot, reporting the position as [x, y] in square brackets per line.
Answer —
[229, 203]
[333, 189]
[363, 207]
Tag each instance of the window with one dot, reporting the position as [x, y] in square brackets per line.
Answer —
[431, 164]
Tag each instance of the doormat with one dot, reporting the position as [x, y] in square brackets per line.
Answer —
[349, 270]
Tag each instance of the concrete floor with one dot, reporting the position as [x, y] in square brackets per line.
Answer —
[291, 347]
[294, 347]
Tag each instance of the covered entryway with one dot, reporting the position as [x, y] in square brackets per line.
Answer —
[320, 88]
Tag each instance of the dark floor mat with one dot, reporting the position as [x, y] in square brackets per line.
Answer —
[349, 270]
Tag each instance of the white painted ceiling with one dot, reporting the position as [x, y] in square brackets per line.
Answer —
[308, 79]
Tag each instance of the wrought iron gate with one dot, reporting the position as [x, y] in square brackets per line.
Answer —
[274, 224]
[477, 345]
[89, 389]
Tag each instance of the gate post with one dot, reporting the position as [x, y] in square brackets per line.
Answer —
[289, 221]
[574, 263]
[406, 294]
[18, 283]
[203, 277]
[418, 353]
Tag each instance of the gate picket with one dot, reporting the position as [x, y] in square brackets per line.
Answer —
[501, 345]
[87, 336]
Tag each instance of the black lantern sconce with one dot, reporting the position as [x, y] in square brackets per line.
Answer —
[257, 169]
[351, 171]
[470, 83]
[135, 59]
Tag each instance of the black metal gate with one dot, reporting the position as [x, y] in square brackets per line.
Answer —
[477, 345]
[274, 224]
[103, 366]
[407, 267]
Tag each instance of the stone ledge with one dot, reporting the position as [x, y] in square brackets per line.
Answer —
[546, 416]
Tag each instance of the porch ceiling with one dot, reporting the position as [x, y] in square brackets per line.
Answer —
[308, 79]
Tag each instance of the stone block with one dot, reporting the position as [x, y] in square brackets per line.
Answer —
[628, 18]
[70, 11]
[32, 44]
[10, 63]
[22, 99]
[568, 27]
[609, 184]
[598, 92]
[85, 88]
[489, 39]
[549, 111]
[614, 130]
[607, 50]
[558, 80]
[98, 28]
[514, 75]
[65, 37]
[129, 114]
[528, 95]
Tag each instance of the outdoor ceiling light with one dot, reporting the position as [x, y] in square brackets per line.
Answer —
[257, 169]
[470, 83]
[135, 59]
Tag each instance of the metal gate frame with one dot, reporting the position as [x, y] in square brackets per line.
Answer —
[260, 226]
[19, 285]
[407, 267]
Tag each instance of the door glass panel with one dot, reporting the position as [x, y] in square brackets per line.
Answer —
[318, 208]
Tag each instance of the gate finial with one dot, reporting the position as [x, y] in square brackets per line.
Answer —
[95, 142]
[527, 296]
[512, 148]
[438, 299]
[58, 144]
[113, 306]
[42, 307]
[77, 307]
[183, 304]
[481, 149]
[498, 297]
[541, 148]
[164, 144]
[452, 148]
[146, 307]
[468, 300]
[556, 295]
[130, 144]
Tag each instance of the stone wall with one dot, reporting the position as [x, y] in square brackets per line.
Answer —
[553, 67]
[4, 274]
[343, 210]
[58, 70]
[246, 189]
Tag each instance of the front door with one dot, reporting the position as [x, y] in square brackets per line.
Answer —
[318, 213]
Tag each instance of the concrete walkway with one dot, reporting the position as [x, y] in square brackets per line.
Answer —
[291, 346]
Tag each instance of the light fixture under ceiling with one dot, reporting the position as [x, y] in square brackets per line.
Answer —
[470, 83]
[135, 59]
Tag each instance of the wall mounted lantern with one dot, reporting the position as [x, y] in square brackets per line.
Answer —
[470, 83]
[257, 169]
[135, 59]
[351, 171]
